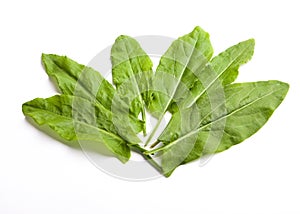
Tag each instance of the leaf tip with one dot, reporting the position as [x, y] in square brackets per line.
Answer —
[24, 105]
[124, 159]
[121, 37]
[285, 87]
[251, 42]
[46, 60]
[197, 29]
[45, 57]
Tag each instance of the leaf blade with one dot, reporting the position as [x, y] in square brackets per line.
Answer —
[57, 112]
[228, 62]
[222, 70]
[175, 72]
[185, 55]
[243, 99]
[133, 67]
[76, 79]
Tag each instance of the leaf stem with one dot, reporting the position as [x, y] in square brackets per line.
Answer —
[154, 144]
[150, 160]
[144, 119]
[154, 130]
[157, 149]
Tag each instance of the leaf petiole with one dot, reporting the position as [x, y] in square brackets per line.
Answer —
[154, 144]
[154, 130]
[142, 151]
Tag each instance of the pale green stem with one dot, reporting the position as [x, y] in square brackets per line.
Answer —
[154, 130]
[144, 119]
[150, 160]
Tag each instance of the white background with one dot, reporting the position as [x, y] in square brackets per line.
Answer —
[41, 175]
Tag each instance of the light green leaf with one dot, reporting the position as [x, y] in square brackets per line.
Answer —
[76, 119]
[75, 79]
[248, 107]
[175, 74]
[186, 55]
[133, 67]
[209, 113]
[227, 63]
[221, 71]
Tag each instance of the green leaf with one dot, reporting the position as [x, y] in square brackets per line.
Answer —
[191, 134]
[222, 70]
[175, 73]
[75, 79]
[133, 67]
[227, 63]
[76, 119]
[209, 113]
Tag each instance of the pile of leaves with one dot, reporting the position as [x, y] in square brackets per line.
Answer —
[209, 112]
